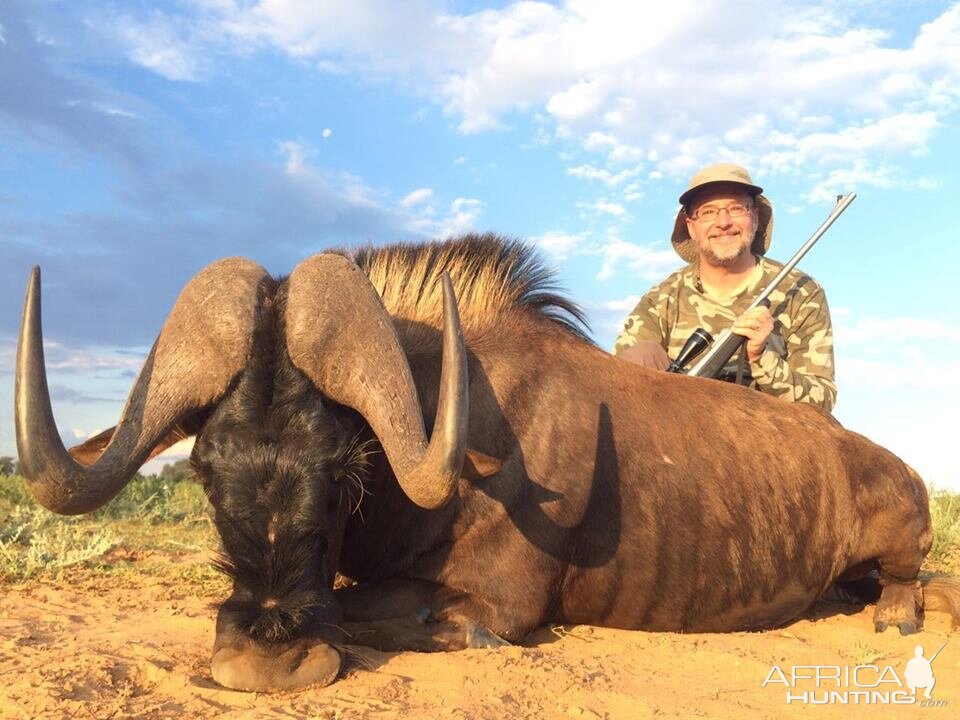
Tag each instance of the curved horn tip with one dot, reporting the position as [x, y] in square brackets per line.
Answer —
[33, 288]
[451, 309]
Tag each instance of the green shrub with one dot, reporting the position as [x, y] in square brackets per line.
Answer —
[945, 517]
[156, 499]
[14, 492]
[149, 512]
[34, 541]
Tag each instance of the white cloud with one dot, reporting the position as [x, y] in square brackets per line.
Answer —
[800, 89]
[751, 130]
[464, 213]
[328, 67]
[417, 197]
[327, 132]
[648, 262]
[461, 215]
[901, 132]
[909, 330]
[416, 210]
[581, 101]
[898, 372]
[843, 180]
[604, 207]
[888, 352]
[177, 451]
[560, 245]
[607, 317]
[162, 45]
[294, 153]
[610, 179]
[64, 358]
[623, 305]
[541, 138]
[323, 183]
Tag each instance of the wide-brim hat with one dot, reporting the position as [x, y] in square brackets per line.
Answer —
[685, 246]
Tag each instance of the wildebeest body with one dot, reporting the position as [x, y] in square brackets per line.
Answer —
[593, 490]
[628, 500]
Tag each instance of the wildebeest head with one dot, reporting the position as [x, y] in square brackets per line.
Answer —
[282, 382]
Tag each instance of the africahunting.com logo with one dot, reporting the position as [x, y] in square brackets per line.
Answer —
[859, 684]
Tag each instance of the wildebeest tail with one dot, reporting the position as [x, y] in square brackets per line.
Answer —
[942, 592]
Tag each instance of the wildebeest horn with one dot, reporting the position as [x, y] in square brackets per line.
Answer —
[341, 336]
[204, 343]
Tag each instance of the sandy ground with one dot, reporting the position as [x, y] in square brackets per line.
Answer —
[139, 647]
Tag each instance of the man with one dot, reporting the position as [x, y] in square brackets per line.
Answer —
[723, 231]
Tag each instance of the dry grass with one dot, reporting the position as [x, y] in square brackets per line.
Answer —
[945, 515]
[151, 514]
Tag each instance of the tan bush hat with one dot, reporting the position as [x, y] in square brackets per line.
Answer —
[722, 173]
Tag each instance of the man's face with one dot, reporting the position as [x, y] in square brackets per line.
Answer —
[723, 238]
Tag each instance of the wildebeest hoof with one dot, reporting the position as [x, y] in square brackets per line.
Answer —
[880, 625]
[479, 637]
[908, 628]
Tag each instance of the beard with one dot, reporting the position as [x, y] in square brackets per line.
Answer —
[730, 259]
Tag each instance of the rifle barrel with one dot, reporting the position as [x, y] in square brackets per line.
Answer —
[842, 204]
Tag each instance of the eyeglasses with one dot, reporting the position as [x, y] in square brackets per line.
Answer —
[711, 213]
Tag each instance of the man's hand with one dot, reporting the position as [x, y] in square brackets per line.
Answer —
[755, 325]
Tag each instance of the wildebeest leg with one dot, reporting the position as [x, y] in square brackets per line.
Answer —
[408, 614]
[858, 585]
[422, 633]
[898, 535]
[901, 599]
[386, 599]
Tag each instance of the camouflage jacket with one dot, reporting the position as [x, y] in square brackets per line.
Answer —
[797, 363]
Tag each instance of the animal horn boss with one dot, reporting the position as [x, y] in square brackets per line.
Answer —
[205, 342]
[340, 335]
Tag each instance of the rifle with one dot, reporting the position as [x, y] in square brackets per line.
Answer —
[727, 342]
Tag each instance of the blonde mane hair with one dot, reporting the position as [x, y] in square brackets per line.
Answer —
[493, 278]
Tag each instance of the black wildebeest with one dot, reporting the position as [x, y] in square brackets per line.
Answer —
[576, 488]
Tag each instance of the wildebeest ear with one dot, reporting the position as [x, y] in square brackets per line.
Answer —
[476, 465]
[89, 451]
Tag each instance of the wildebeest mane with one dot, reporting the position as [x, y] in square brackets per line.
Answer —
[493, 276]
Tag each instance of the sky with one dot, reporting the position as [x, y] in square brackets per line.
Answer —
[140, 141]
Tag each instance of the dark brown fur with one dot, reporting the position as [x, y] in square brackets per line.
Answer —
[627, 497]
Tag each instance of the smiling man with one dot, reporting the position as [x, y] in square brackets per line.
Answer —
[723, 231]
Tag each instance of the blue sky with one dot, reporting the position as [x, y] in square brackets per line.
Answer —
[140, 141]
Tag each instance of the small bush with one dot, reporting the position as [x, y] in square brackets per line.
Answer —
[156, 499]
[148, 512]
[33, 541]
[945, 517]
[13, 493]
